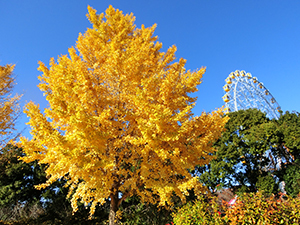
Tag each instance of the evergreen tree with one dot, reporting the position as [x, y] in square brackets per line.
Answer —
[256, 153]
[17, 181]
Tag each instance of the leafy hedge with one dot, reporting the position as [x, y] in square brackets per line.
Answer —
[251, 208]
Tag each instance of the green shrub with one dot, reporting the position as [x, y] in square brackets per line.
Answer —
[202, 211]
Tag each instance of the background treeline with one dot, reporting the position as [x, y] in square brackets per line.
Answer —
[22, 203]
[256, 153]
[254, 157]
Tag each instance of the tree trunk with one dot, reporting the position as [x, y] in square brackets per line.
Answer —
[113, 220]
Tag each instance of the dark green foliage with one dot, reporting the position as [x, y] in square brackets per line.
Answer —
[18, 197]
[267, 184]
[17, 179]
[290, 129]
[240, 157]
[256, 153]
[292, 179]
[136, 213]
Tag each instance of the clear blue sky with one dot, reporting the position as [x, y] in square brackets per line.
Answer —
[261, 37]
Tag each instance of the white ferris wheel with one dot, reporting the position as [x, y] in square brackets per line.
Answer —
[242, 91]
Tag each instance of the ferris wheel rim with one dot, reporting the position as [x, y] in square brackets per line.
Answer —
[242, 91]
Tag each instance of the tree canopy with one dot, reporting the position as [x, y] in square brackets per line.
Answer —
[240, 155]
[17, 180]
[119, 121]
[256, 153]
[9, 105]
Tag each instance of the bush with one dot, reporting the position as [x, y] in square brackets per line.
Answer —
[203, 211]
[250, 208]
[256, 208]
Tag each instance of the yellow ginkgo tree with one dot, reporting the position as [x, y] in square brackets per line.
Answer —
[9, 105]
[119, 121]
